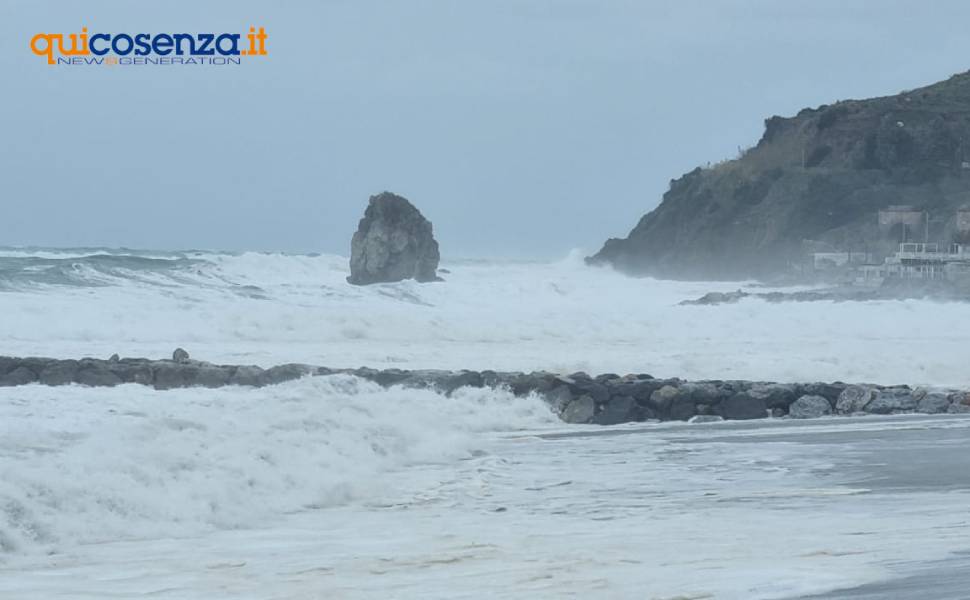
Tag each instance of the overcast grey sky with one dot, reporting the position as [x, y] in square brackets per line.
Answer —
[520, 128]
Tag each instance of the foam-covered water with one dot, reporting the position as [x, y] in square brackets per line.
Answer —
[273, 308]
[334, 487]
[464, 507]
[84, 465]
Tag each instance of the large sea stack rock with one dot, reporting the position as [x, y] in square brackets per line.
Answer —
[817, 178]
[393, 242]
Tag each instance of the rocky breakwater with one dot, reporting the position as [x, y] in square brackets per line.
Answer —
[606, 399]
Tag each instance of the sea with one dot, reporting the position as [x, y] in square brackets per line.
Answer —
[333, 487]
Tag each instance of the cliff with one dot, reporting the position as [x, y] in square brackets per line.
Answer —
[820, 176]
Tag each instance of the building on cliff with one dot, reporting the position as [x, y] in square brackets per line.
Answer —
[962, 224]
[832, 260]
[921, 261]
[902, 250]
[903, 222]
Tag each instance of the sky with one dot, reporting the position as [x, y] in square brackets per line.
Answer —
[520, 128]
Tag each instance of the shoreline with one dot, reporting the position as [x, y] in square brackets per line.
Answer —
[579, 398]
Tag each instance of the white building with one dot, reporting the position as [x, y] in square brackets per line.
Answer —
[921, 261]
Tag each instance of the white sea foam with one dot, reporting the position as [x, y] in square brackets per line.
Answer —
[94, 464]
[727, 511]
[333, 487]
[272, 308]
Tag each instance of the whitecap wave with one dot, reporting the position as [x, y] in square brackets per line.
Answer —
[563, 315]
[82, 465]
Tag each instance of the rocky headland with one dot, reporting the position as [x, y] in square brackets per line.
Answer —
[604, 399]
[819, 177]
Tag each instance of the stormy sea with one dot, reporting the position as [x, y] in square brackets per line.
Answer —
[334, 487]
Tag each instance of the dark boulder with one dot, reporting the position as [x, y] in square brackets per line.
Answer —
[444, 382]
[959, 403]
[892, 400]
[829, 391]
[597, 391]
[934, 403]
[385, 378]
[460, 379]
[775, 395]
[211, 376]
[170, 375]
[59, 372]
[742, 406]
[639, 389]
[682, 408]
[662, 398]
[249, 375]
[620, 409]
[854, 398]
[498, 380]
[703, 393]
[579, 410]
[133, 371]
[18, 376]
[559, 398]
[537, 381]
[7, 364]
[393, 242]
[962, 398]
[606, 377]
[810, 407]
[287, 372]
[96, 374]
[36, 364]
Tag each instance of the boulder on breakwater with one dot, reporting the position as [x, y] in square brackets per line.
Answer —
[605, 399]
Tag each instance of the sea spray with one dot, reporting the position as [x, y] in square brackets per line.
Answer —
[81, 465]
[562, 316]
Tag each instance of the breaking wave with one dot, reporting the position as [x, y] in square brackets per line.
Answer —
[267, 309]
[83, 465]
